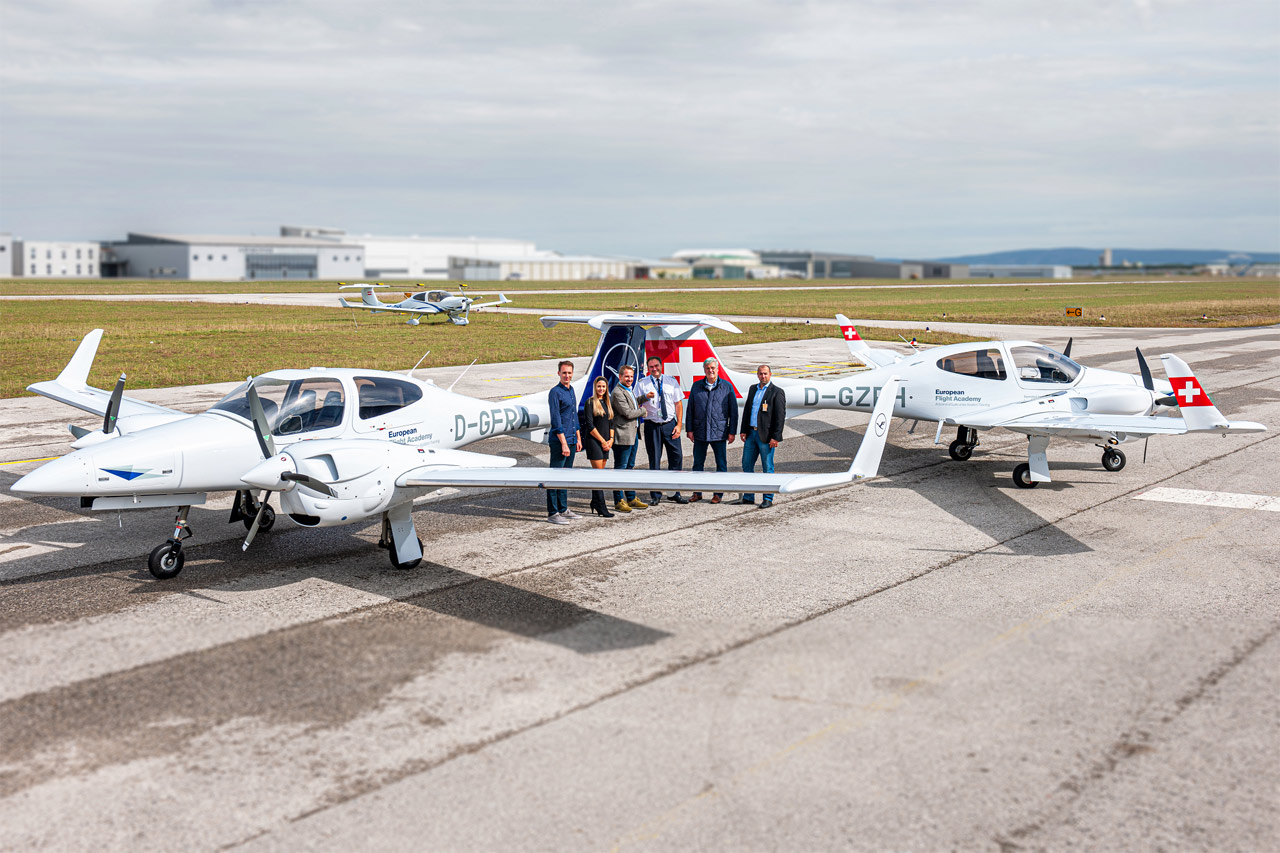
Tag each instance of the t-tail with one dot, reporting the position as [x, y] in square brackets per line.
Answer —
[1197, 410]
[367, 297]
[679, 340]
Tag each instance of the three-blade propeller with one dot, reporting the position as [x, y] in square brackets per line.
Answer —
[112, 414]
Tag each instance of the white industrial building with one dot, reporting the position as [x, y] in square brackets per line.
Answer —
[8, 262]
[55, 259]
[416, 257]
[203, 257]
[1019, 271]
[551, 266]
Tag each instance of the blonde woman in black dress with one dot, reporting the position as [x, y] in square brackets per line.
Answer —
[596, 420]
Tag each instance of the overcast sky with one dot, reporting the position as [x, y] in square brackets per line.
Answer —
[898, 128]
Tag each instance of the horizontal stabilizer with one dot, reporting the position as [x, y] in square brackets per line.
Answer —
[72, 388]
[602, 321]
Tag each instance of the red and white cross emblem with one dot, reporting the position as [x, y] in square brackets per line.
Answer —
[1188, 391]
[682, 360]
[850, 333]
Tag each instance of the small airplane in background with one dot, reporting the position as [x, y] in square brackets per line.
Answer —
[339, 446]
[418, 305]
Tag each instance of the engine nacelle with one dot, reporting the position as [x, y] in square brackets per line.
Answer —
[362, 473]
[1118, 400]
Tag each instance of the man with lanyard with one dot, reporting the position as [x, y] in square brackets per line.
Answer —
[564, 440]
[663, 404]
[762, 417]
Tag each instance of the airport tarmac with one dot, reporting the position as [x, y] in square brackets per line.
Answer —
[932, 660]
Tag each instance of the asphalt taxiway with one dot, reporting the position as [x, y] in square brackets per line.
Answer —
[932, 660]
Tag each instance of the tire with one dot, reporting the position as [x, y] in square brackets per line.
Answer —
[1022, 477]
[1113, 460]
[960, 451]
[268, 519]
[166, 561]
[412, 564]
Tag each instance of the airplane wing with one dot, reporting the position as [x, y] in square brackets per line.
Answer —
[866, 464]
[391, 308]
[72, 389]
[1077, 426]
[501, 300]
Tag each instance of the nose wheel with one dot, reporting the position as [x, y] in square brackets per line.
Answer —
[962, 448]
[166, 559]
[1112, 459]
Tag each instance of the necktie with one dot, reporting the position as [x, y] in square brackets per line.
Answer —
[662, 400]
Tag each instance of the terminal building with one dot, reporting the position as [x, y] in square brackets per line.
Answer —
[1019, 271]
[417, 258]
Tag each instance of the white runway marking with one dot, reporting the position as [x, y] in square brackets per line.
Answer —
[1229, 500]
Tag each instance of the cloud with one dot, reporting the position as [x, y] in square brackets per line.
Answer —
[895, 128]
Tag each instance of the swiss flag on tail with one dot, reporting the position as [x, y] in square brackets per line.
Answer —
[1188, 392]
[682, 360]
[850, 333]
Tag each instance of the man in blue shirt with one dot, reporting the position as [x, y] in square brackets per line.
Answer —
[762, 419]
[564, 440]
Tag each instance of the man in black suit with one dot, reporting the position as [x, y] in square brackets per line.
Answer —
[762, 418]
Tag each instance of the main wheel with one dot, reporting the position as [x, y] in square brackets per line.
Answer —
[1022, 477]
[268, 519]
[1112, 459]
[166, 560]
[391, 552]
[960, 451]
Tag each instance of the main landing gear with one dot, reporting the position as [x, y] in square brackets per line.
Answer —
[166, 560]
[1112, 459]
[397, 528]
[1022, 477]
[966, 440]
[245, 509]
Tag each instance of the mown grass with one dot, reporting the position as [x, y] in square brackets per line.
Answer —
[1226, 302]
[162, 344]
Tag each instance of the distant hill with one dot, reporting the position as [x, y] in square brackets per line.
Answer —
[1078, 257]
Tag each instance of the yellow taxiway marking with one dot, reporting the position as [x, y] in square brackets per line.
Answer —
[25, 461]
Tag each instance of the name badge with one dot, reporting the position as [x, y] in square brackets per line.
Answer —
[764, 407]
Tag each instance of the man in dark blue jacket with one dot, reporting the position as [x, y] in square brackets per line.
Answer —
[712, 418]
[564, 440]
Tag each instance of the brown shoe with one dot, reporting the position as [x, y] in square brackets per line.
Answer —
[715, 499]
[695, 497]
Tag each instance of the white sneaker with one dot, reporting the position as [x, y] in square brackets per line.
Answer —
[570, 514]
[557, 518]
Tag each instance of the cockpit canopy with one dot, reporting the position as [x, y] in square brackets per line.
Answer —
[291, 406]
[438, 295]
[985, 363]
[1035, 363]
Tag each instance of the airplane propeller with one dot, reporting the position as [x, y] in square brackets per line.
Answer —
[273, 480]
[1149, 383]
[1067, 349]
[113, 406]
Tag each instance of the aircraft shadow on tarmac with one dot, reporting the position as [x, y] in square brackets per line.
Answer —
[336, 555]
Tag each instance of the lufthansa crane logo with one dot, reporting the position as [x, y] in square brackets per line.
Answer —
[882, 423]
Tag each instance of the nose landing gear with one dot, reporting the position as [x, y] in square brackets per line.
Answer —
[166, 559]
[962, 448]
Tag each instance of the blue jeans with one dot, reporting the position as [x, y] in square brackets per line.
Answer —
[656, 437]
[558, 499]
[700, 456]
[624, 458]
[752, 449]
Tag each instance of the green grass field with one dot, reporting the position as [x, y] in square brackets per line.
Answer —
[162, 344]
[1227, 302]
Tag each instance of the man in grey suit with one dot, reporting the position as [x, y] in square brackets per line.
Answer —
[627, 415]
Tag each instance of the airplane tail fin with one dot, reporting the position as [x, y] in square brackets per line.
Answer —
[367, 297]
[858, 347]
[632, 339]
[1197, 410]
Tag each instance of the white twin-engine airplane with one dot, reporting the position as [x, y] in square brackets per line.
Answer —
[455, 306]
[342, 446]
[1020, 386]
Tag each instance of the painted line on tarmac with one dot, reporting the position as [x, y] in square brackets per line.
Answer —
[25, 461]
[1229, 500]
